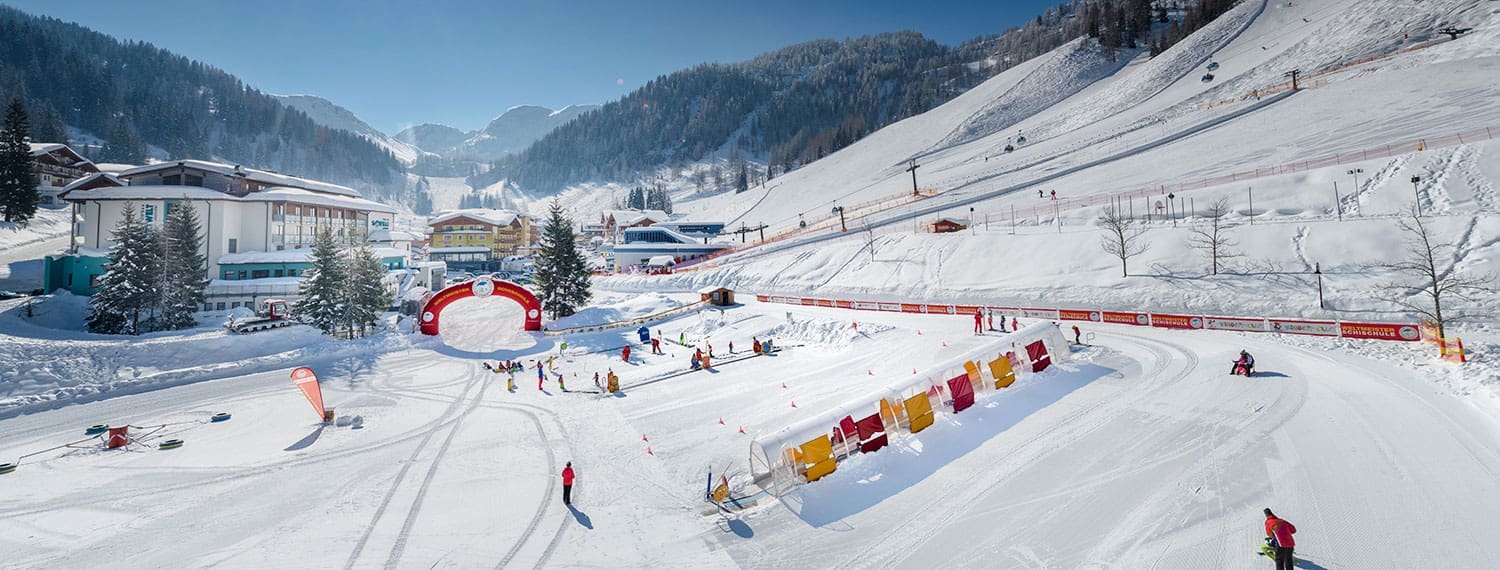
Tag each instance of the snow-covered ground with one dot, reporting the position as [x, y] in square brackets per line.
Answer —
[1140, 451]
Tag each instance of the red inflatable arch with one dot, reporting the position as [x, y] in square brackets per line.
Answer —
[481, 287]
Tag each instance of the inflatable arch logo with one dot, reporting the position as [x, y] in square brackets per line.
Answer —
[482, 287]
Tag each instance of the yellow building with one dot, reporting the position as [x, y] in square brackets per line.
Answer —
[478, 236]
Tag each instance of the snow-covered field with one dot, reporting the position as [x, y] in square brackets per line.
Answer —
[1140, 451]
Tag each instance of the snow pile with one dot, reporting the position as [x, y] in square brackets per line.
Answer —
[615, 309]
[825, 333]
[47, 224]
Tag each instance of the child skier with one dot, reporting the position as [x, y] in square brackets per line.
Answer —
[541, 375]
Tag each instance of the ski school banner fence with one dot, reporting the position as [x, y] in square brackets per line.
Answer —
[1404, 332]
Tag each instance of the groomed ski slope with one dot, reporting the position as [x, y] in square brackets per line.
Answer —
[1139, 452]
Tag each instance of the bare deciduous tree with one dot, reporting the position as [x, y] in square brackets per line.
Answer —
[1122, 238]
[1212, 237]
[1431, 275]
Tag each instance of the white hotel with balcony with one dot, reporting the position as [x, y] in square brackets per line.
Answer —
[258, 226]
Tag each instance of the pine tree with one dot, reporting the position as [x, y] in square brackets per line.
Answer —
[128, 292]
[183, 267]
[365, 298]
[562, 275]
[18, 193]
[322, 292]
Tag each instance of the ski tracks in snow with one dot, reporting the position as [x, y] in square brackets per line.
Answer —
[894, 547]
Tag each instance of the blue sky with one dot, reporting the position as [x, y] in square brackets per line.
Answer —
[463, 62]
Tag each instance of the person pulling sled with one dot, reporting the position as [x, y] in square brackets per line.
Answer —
[1245, 366]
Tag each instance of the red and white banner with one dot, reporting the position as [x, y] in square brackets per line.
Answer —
[1176, 321]
[1316, 328]
[1376, 331]
[307, 382]
[1380, 331]
[1121, 318]
[1235, 324]
[1077, 315]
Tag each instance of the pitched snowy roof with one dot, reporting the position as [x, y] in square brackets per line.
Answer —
[92, 178]
[661, 260]
[39, 149]
[44, 148]
[952, 220]
[157, 192]
[632, 217]
[263, 176]
[485, 215]
[114, 167]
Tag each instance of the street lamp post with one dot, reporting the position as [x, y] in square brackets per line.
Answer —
[1418, 193]
[1318, 271]
[840, 211]
[1171, 208]
[971, 220]
[1355, 173]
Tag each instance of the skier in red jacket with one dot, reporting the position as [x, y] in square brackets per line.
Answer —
[1281, 531]
[978, 322]
[567, 477]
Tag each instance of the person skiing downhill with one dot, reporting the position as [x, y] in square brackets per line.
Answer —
[656, 345]
[1281, 531]
[1077, 335]
[567, 481]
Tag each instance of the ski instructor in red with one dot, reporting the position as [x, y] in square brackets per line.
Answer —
[1282, 532]
[567, 477]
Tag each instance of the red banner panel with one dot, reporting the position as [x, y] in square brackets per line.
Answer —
[843, 304]
[965, 309]
[1176, 321]
[763, 298]
[1076, 315]
[1318, 328]
[913, 308]
[1381, 331]
[1138, 319]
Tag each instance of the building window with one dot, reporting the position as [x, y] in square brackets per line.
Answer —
[260, 273]
[148, 211]
[228, 275]
[291, 273]
[234, 245]
[220, 306]
[208, 306]
[172, 180]
[241, 275]
[280, 273]
[234, 305]
[93, 280]
[192, 180]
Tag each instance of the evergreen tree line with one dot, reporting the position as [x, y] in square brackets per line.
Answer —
[801, 103]
[1194, 18]
[154, 278]
[563, 279]
[652, 198]
[342, 293]
[135, 94]
[18, 193]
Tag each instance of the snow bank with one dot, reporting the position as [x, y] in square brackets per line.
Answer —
[617, 308]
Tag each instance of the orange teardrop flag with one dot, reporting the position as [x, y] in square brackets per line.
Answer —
[308, 383]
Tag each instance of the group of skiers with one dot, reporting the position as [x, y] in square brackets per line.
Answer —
[984, 320]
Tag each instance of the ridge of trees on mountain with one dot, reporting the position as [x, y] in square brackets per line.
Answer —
[134, 94]
[795, 105]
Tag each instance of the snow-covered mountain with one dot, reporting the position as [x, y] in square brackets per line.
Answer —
[507, 134]
[329, 114]
[433, 137]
